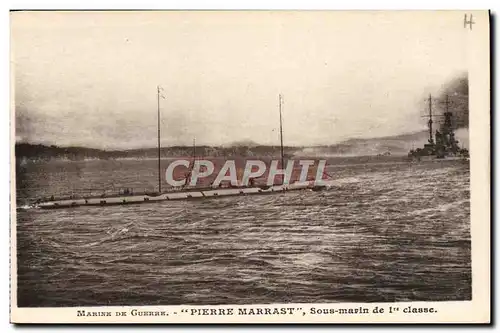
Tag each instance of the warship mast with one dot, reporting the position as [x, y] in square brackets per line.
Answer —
[431, 140]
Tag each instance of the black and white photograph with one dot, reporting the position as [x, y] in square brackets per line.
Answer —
[232, 166]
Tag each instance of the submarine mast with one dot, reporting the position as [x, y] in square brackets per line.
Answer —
[281, 132]
[431, 140]
[159, 144]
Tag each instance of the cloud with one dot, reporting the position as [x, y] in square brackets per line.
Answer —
[456, 92]
[89, 79]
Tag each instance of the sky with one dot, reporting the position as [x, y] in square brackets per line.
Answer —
[90, 78]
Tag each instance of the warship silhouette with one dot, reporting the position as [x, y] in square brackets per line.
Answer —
[442, 143]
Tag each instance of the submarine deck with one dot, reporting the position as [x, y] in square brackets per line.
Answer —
[181, 195]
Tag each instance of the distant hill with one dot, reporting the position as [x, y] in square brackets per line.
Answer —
[242, 143]
[393, 145]
[43, 152]
[390, 145]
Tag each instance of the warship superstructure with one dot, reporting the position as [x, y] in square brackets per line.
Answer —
[442, 143]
